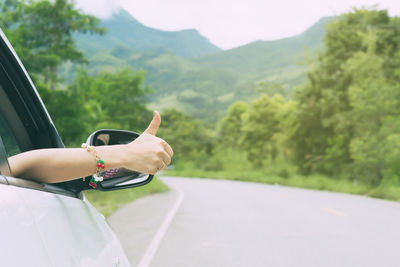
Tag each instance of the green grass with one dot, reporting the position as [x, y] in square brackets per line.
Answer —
[109, 202]
[317, 182]
[235, 166]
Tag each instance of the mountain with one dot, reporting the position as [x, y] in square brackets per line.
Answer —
[268, 54]
[126, 31]
[206, 80]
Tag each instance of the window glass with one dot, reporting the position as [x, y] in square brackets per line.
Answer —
[8, 138]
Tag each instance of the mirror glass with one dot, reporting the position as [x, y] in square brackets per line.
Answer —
[116, 138]
[118, 178]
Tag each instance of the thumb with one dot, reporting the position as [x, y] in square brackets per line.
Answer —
[154, 124]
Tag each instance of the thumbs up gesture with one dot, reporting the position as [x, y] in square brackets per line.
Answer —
[148, 153]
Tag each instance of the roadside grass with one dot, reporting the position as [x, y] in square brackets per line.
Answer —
[109, 202]
[317, 182]
[235, 166]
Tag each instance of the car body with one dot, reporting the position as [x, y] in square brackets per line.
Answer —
[43, 224]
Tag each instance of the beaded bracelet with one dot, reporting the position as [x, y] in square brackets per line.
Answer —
[96, 177]
[110, 173]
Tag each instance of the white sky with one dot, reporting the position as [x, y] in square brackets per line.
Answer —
[231, 23]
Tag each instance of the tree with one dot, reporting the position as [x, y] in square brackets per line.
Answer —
[114, 100]
[326, 125]
[41, 33]
[375, 102]
[10, 11]
[261, 129]
[187, 136]
[68, 112]
[230, 128]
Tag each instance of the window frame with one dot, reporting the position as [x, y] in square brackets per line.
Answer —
[28, 119]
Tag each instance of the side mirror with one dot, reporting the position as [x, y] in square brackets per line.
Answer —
[123, 178]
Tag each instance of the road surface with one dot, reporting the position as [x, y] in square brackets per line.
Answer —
[203, 222]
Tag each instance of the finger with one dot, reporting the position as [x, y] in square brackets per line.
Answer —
[162, 166]
[154, 124]
[165, 157]
[168, 148]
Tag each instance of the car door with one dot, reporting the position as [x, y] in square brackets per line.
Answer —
[41, 228]
[42, 224]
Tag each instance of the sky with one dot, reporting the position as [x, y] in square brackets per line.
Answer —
[232, 23]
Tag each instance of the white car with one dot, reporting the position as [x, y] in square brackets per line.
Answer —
[43, 224]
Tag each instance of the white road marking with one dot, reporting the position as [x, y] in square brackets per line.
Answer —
[155, 243]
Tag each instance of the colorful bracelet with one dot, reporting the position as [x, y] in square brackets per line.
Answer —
[96, 177]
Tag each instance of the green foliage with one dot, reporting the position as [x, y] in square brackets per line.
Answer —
[206, 85]
[113, 99]
[235, 166]
[188, 137]
[125, 31]
[10, 11]
[342, 130]
[41, 33]
[68, 113]
[231, 126]
[375, 101]
[350, 96]
[107, 100]
[261, 129]
[343, 121]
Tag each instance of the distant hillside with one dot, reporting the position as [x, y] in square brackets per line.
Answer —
[206, 85]
[125, 31]
[268, 54]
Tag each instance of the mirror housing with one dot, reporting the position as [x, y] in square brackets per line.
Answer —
[123, 178]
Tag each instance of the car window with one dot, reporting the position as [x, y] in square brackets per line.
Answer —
[8, 138]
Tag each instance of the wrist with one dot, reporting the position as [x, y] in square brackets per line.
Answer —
[125, 155]
[115, 156]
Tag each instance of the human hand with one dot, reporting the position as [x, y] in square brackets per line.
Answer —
[149, 153]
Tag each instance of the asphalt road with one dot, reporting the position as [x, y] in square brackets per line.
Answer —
[203, 222]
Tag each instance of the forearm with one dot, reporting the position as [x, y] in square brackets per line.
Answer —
[145, 154]
[62, 164]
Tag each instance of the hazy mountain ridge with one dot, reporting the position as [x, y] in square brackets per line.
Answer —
[124, 30]
[203, 86]
[268, 53]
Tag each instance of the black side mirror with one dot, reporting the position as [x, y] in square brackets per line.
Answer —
[123, 178]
